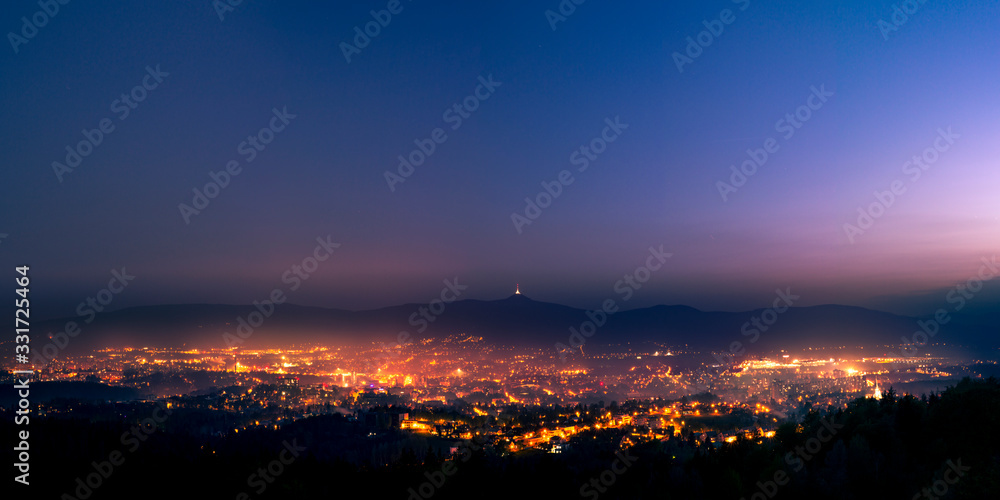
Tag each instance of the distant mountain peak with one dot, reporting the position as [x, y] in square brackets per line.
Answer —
[517, 294]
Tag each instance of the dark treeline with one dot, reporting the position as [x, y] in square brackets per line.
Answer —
[895, 448]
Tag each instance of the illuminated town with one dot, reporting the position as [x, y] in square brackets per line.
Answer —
[517, 398]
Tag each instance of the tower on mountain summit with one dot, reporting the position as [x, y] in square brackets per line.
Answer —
[517, 289]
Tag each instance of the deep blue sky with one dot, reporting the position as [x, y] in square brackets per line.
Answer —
[655, 185]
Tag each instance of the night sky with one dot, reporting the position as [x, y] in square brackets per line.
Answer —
[888, 94]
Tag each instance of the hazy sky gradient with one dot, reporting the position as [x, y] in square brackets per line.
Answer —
[655, 185]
